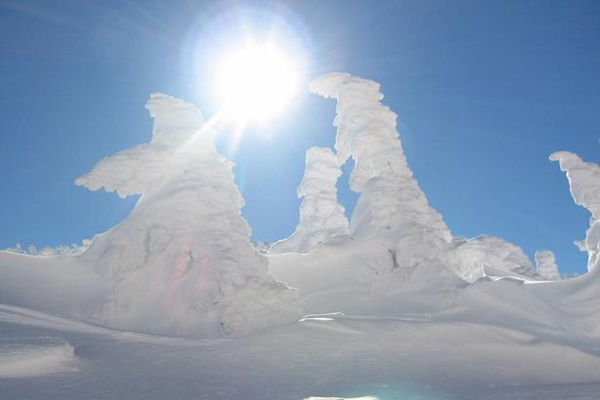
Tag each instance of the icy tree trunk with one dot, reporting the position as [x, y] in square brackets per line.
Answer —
[321, 216]
[182, 262]
[391, 202]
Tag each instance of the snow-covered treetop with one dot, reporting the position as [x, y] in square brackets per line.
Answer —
[147, 166]
[584, 183]
[584, 180]
[366, 128]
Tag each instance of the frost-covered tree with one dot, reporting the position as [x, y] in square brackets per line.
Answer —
[584, 182]
[182, 262]
[321, 215]
[471, 256]
[546, 265]
[391, 202]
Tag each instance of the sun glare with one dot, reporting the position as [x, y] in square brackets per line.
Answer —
[256, 82]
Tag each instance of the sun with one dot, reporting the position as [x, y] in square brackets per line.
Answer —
[256, 82]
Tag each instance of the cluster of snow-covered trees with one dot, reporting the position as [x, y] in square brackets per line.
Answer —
[182, 263]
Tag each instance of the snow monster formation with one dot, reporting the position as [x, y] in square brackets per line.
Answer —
[391, 202]
[584, 182]
[391, 206]
[182, 262]
[322, 218]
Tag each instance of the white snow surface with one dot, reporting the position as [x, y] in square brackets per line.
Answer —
[37, 356]
[322, 217]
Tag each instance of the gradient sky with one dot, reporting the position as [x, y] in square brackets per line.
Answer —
[485, 91]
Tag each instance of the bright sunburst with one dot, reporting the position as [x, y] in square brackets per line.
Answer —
[256, 82]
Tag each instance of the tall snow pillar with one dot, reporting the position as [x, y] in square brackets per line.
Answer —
[321, 215]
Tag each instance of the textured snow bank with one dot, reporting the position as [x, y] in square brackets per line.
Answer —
[182, 261]
[31, 357]
[584, 182]
[321, 216]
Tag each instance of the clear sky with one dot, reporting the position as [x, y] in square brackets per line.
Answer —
[485, 91]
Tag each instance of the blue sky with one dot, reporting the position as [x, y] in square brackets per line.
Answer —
[485, 91]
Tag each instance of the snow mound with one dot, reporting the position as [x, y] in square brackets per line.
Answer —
[38, 356]
[584, 183]
[321, 216]
[182, 261]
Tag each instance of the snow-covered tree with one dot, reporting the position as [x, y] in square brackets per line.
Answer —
[584, 182]
[182, 262]
[546, 265]
[321, 215]
[391, 202]
[471, 256]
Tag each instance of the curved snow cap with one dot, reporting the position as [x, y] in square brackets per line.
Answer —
[584, 183]
[321, 216]
[390, 196]
[182, 262]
